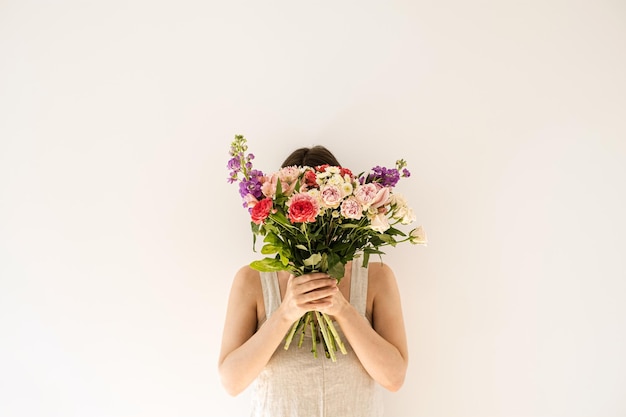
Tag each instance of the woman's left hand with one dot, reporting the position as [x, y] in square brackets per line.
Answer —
[338, 305]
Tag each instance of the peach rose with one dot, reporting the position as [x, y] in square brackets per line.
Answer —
[303, 208]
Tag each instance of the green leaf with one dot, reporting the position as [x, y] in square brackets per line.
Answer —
[393, 231]
[279, 187]
[313, 260]
[270, 228]
[348, 226]
[302, 247]
[387, 239]
[336, 270]
[366, 258]
[273, 238]
[267, 265]
[268, 249]
[281, 219]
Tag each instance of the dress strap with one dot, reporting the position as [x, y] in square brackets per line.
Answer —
[271, 292]
[358, 286]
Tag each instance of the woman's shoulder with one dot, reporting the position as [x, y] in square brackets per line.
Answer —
[247, 280]
[379, 269]
[380, 275]
[247, 271]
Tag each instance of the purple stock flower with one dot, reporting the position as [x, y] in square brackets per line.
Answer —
[234, 164]
[385, 176]
[251, 185]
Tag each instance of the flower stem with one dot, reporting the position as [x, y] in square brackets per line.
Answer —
[306, 323]
[293, 330]
[327, 337]
[313, 336]
[335, 334]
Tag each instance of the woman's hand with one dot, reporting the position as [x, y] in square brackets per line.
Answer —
[315, 291]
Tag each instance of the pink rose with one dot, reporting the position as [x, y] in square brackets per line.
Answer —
[331, 196]
[303, 208]
[351, 209]
[365, 194]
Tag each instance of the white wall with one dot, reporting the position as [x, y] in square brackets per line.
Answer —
[119, 235]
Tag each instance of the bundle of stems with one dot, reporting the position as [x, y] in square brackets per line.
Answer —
[314, 320]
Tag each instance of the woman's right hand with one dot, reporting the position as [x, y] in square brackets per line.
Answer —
[307, 292]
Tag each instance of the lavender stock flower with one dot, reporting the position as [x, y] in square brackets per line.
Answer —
[240, 166]
[234, 164]
[252, 185]
[385, 176]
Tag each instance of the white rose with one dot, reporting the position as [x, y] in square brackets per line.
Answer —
[418, 236]
[380, 223]
[398, 199]
[408, 216]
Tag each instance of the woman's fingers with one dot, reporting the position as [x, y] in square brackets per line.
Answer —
[315, 291]
[312, 282]
[312, 288]
[319, 295]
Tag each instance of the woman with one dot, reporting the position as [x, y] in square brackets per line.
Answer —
[262, 308]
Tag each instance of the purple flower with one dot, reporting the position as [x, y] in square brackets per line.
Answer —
[251, 185]
[234, 164]
[385, 176]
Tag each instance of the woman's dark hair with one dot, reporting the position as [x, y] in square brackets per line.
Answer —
[311, 157]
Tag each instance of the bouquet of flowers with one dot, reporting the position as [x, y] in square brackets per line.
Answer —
[316, 219]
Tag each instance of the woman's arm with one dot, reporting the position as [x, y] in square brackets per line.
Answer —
[245, 351]
[381, 347]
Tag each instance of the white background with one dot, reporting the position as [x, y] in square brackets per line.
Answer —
[119, 235]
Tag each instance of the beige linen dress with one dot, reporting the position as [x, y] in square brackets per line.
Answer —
[295, 384]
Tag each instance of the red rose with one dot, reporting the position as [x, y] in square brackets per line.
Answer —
[344, 171]
[310, 179]
[303, 208]
[261, 210]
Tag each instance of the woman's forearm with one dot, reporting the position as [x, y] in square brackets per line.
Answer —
[381, 359]
[241, 366]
